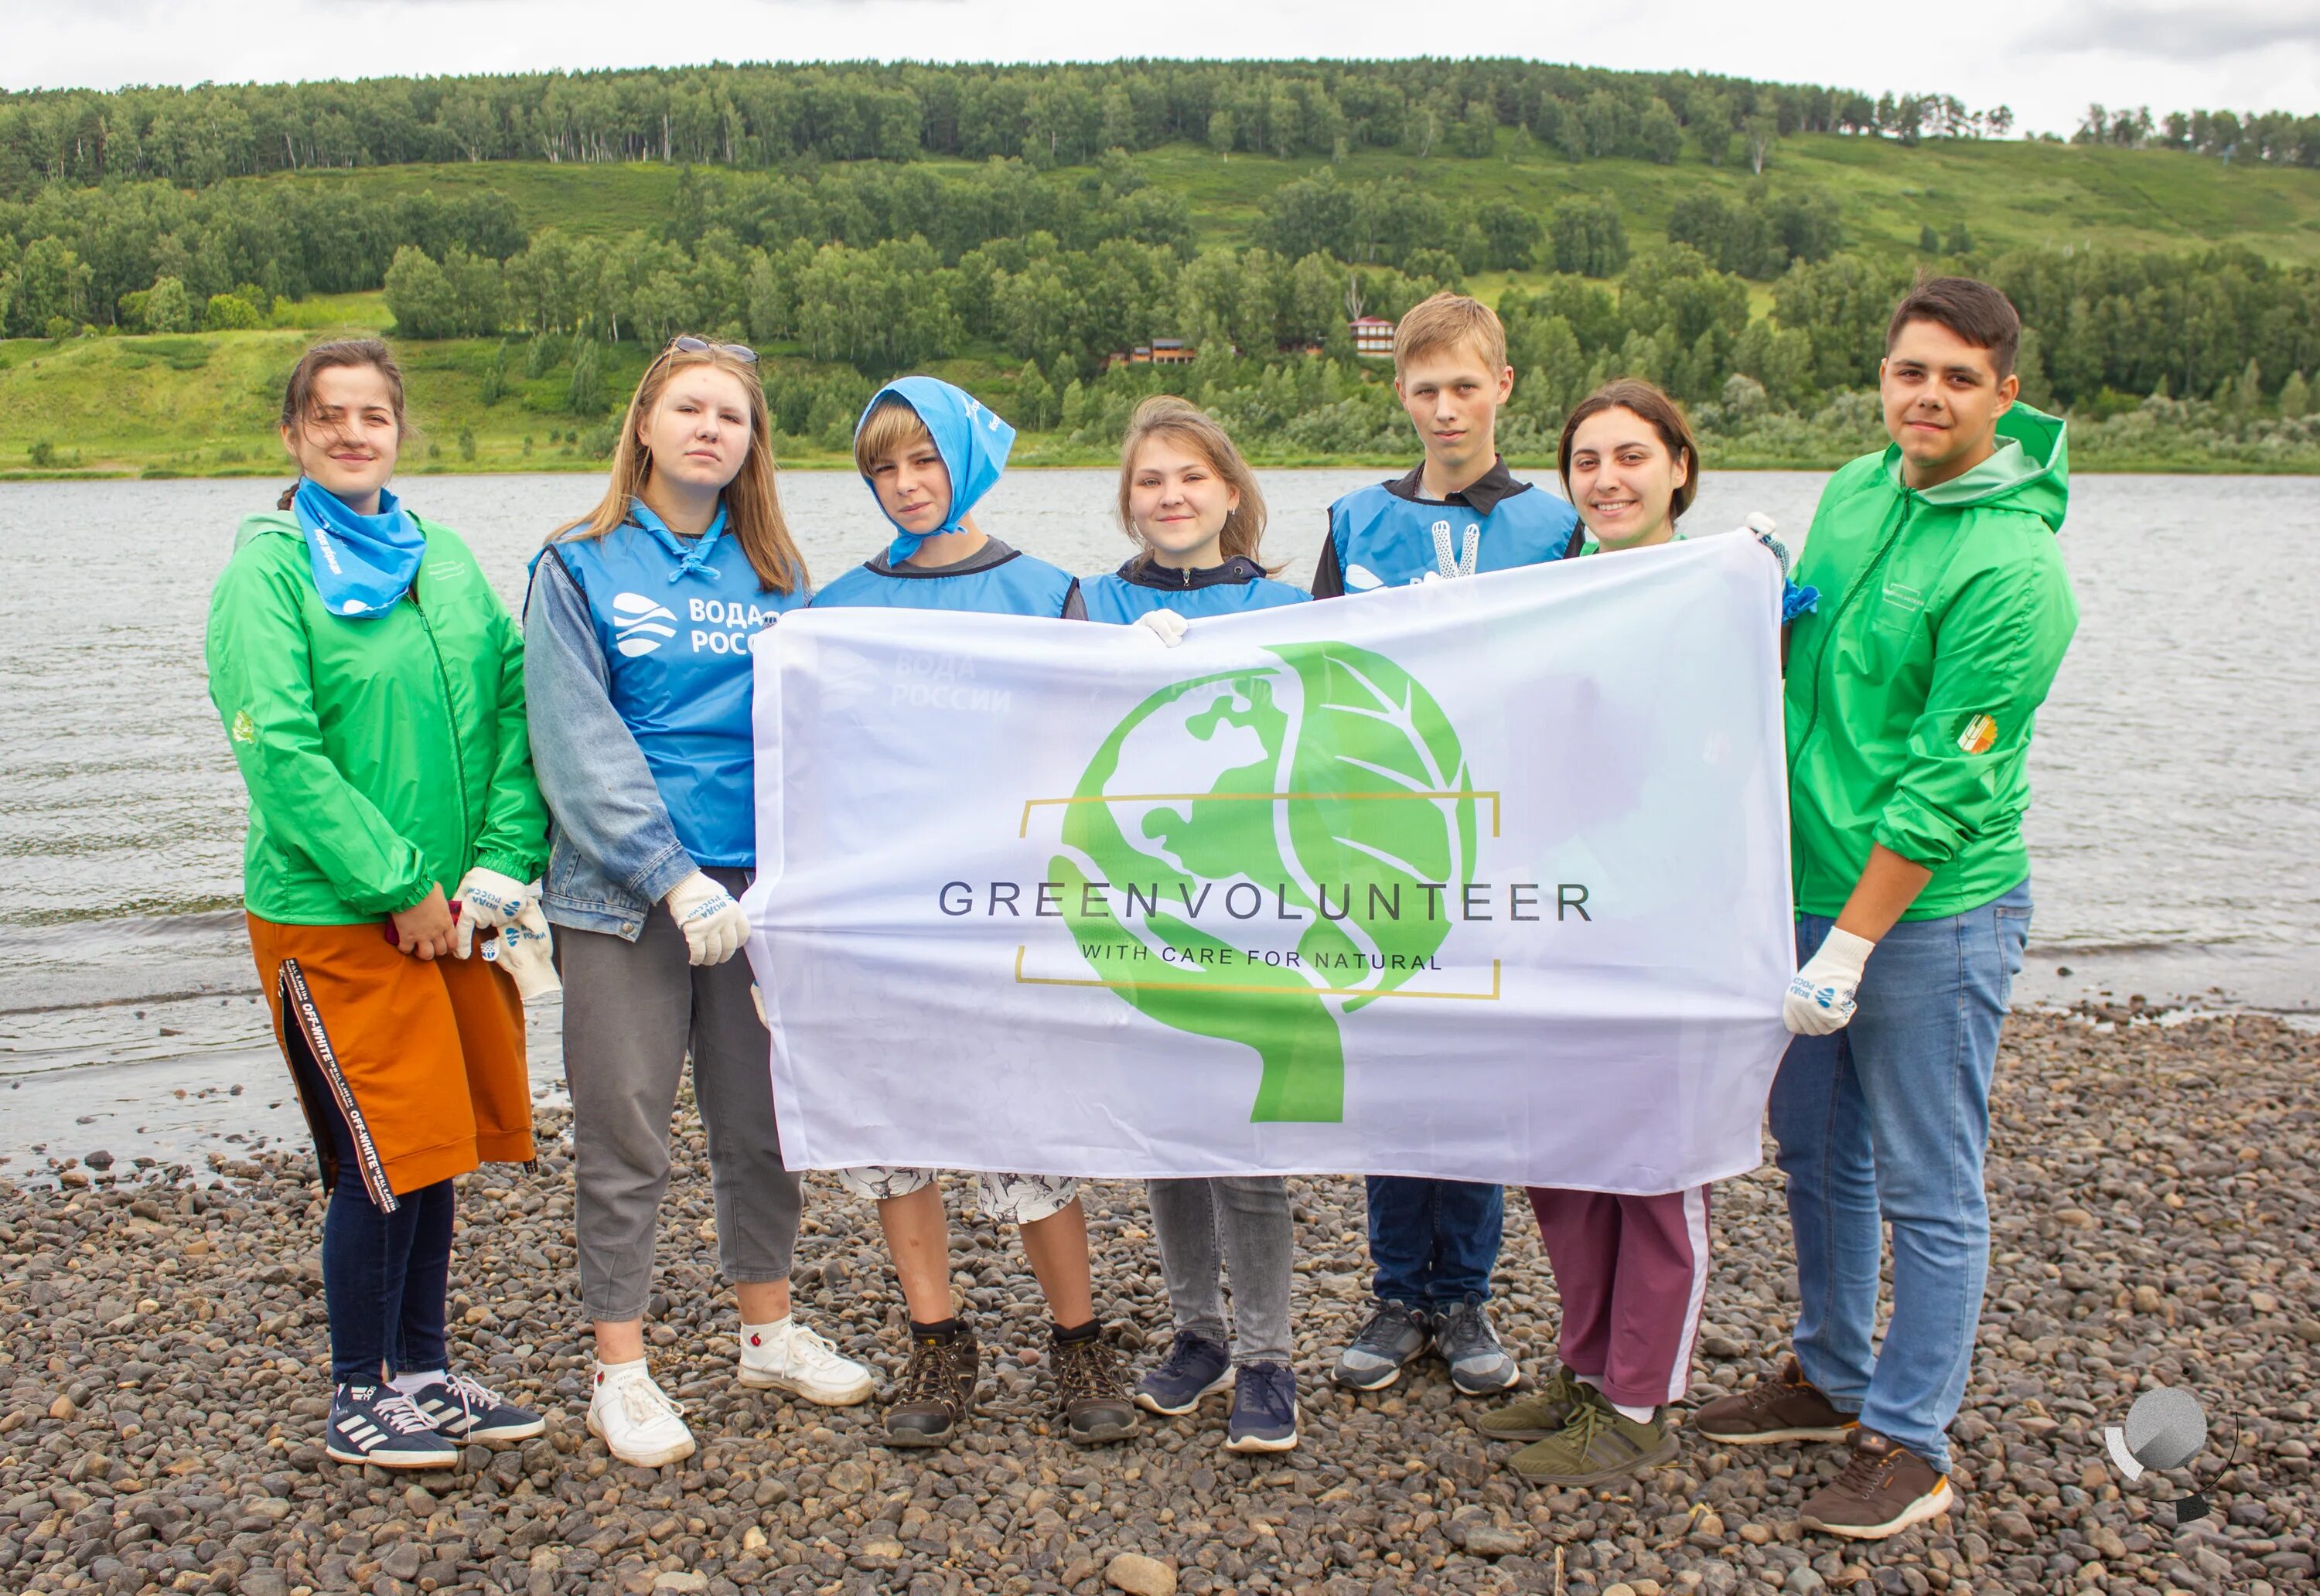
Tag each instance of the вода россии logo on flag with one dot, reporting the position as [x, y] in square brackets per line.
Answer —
[641, 625]
[1330, 790]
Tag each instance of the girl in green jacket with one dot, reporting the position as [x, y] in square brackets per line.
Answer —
[371, 686]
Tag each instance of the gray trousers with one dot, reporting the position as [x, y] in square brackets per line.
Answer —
[1240, 1221]
[631, 1010]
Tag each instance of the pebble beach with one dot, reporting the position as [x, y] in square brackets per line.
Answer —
[163, 1379]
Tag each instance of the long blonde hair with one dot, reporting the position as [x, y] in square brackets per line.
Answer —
[1186, 425]
[753, 508]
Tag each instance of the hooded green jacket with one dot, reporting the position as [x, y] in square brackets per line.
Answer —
[1944, 617]
[384, 758]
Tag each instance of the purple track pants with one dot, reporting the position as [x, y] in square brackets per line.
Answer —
[1632, 1273]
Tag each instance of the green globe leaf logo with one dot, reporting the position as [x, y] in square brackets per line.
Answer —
[1332, 789]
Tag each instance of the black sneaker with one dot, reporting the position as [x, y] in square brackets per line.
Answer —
[1264, 1410]
[1394, 1334]
[1479, 1365]
[1194, 1367]
[378, 1424]
[465, 1410]
[936, 1391]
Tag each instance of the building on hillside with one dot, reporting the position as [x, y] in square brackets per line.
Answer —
[1372, 335]
[1160, 351]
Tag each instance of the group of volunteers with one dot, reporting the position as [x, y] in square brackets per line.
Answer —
[431, 789]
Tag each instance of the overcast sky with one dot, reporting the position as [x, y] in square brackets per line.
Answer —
[2047, 59]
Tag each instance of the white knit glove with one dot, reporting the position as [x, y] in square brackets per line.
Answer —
[526, 950]
[1164, 624]
[713, 925]
[488, 902]
[1821, 996]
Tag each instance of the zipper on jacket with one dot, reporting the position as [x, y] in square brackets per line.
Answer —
[451, 715]
[1828, 639]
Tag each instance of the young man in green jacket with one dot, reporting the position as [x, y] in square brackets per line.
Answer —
[1911, 696]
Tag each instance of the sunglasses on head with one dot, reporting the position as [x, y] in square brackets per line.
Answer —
[690, 345]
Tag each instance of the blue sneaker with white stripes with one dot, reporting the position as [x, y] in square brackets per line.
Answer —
[466, 1409]
[377, 1424]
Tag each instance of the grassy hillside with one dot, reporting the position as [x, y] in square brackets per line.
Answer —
[203, 403]
[2011, 195]
[587, 201]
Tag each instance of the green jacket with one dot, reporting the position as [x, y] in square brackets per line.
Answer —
[1944, 617]
[384, 758]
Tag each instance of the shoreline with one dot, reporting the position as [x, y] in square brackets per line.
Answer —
[178, 1076]
[161, 1383]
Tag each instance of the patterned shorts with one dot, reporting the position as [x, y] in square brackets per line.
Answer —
[1010, 1199]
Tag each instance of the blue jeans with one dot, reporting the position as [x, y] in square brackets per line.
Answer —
[1434, 1242]
[1891, 1117]
[385, 1275]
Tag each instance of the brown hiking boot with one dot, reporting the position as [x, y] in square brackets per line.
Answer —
[936, 1391]
[1787, 1408]
[1092, 1391]
[1884, 1490]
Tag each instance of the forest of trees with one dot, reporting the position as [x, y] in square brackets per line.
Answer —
[2280, 137]
[878, 267]
[769, 115]
[72, 257]
[2105, 328]
[1056, 250]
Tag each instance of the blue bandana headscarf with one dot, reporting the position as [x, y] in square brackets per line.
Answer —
[972, 440]
[363, 564]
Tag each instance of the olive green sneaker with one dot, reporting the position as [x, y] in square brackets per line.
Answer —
[1599, 1443]
[1539, 1415]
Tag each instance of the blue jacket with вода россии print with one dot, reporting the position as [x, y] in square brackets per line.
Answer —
[637, 661]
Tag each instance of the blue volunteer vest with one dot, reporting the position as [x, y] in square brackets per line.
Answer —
[1385, 541]
[1019, 584]
[1237, 587]
[676, 635]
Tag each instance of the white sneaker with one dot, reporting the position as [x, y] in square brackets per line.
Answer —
[635, 1419]
[788, 1357]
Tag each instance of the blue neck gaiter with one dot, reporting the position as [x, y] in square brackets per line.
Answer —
[973, 441]
[363, 564]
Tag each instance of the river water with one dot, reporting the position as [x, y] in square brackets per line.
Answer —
[2176, 832]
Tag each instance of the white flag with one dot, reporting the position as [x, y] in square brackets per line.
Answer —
[1483, 878]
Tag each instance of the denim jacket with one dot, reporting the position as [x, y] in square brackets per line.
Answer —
[613, 853]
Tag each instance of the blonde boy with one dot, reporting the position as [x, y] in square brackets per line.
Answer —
[1459, 511]
[1434, 1242]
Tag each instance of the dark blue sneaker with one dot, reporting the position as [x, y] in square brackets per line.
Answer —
[377, 1424]
[1395, 1334]
[1194, 1367]
[465, 1410]
[1264, 1410]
